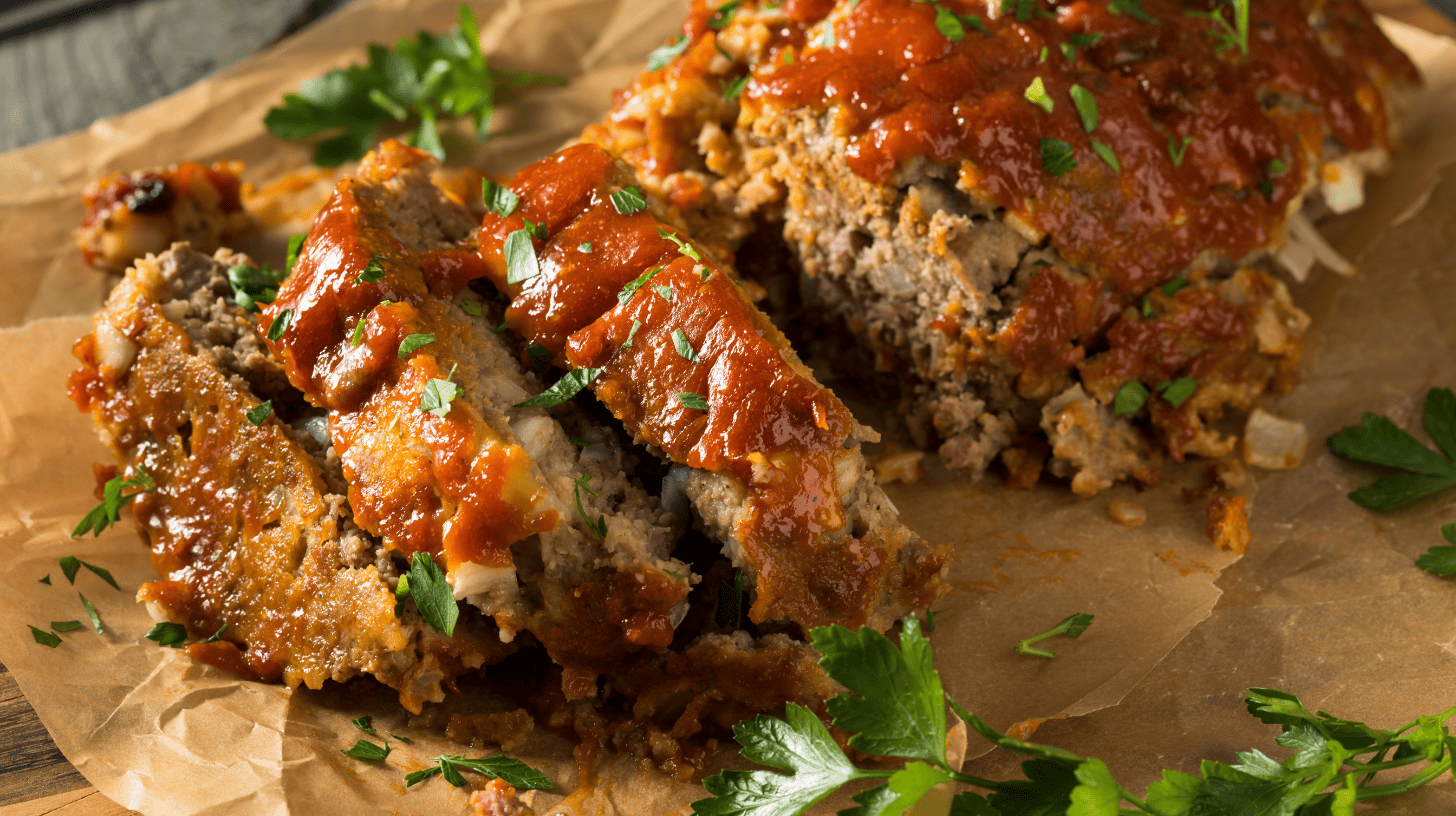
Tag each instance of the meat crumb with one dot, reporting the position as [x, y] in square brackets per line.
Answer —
[896, 465]
[1127, 513]
[1228, 523]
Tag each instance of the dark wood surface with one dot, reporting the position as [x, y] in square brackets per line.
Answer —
[60, 78]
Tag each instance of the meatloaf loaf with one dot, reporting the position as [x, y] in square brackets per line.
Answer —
[1029, 205]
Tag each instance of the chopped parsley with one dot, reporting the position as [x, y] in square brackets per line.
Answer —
[46, 580]
[279, 325]
[683, 247]
[216, 636]
[1083, 40]
[253, 285]
[723, 14]
[1176, 149]
[472, 307]
[579, 442]
[732, 89]
[636, 324]
[632, 286]
[432, 594]
[1437, 560]
[1069, 53]
[359, 330]
[45, 638]
[663, 56]
[168, 634]
[520, 252]
[438, 394]
[629, 200]
[684, 347]
[108, 512]
[1105, 152]
[599, 527]
[1037, 95]
[1072, 626]
[65, 626]
[565, 388]
[413, 342]
[536, 230]
[1086, 106]
[1275, 167]
[584, 247]
[513, 772]
[693, 402]
[1266, 189]
[1227, 35]
[368, 751]
[1133, 9]
[1173, 285]
[295, 246]
[373, 271]
[1179, 390]
[1129, 398]
[1056, 157]
[538, 356]
[259, 412]
[91, 613]
[1379, 441]
[664, 292]
[729, 611]
[498, 199]
[70, 565]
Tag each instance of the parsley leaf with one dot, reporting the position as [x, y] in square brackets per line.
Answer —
[948, 24]
[663, 56]
[723, 14]
[432, 594]
[1072, 626]
[1441, 560]
[45, 638]
[295, 246]
[1176, 391]
[108, 512]
[93, 614]
[427, 75]
[1105, 152]
[498, 199]
[1036, 94]
[65, 626]
[373, 271]
[733, 89]
[1133, 9]
[168, 634]
[636, 324]
[632, 286]
[1227, 34]
[520, 252]
[513, 772]
[472, 307]
[1176, 149]
[438, 395]
[253, 285]
[70, 565]
[279, 325]
[565, 388]
[1378, 441]
[629, 200]
[259, 412]
[1129, 398]
[599, 527]
[693, 402]
[1086, 106]
[684, 347]
[683, 247]
[1056, 157]
[362, 723]
[414, 342]
[368, 751]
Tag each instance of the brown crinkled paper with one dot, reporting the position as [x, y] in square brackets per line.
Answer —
[1326, 603]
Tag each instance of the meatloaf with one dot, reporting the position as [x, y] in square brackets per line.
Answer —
[1030, 204]
[131, 215]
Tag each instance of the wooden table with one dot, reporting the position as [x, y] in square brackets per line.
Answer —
[35, 779]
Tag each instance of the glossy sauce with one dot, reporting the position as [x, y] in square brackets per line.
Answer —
[767, 424]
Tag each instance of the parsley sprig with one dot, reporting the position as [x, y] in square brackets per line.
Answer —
[514, 772]
[1072, 626]
[422, 78]
[108, 512]
[1228, 34]
[896, 708]
[1441, 560]
[1379, 441]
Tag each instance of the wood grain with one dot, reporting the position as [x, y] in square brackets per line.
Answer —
[115, 60]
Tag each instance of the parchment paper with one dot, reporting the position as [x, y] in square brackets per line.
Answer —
[1326, 603]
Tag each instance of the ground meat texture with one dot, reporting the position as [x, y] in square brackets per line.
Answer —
[664, 326]
[917, 189]
[243, 527]
[132, 215]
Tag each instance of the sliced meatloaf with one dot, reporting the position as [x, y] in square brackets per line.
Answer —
[131, 215]
[989, 195]
[601, 278]
[248, 525]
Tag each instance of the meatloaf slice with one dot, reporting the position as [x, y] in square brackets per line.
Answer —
[248, 526]
[602, 278]
[981, 191]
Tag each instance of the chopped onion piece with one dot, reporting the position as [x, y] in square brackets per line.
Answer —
[1303, 232]
[1273, 442]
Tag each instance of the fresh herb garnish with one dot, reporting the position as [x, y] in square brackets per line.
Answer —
[636, 324]
[104, 574]
[579, 442]
[362, 723]
[368, 751]
[472, 307]
[663, 56]
[45, 638]
[896, 708]
[629, 200]
[503, 327]
[253, 286]
[632, 286]
[432, 594]
[1129, 398]
[1437, 560]
[684, 347]
[538, 356]
[92, 613]
[405, 740]
[46, 580]
[520, 252]
[664, 292]
[1266, 189]
[280, 325]
[168, 634]
[498, 199]
[1056, 157]
[1083, 40]
[438, 394]
[1173, 286]
[1176, 391]
[1275, 167]
[1228, 35]
[259, 412]
[732, 89]
[70, 565]
[1105, 152]
[565, 388]
[373, 271]
[1069, 52]
[65, 626]
[1176, 149]
[1133, 9]
[585, 247]
[723, 14]
[414, 342]
[427, 75]
[599, 527]
[683, 247]
[537, 230]
[1037, 95]
[948, 24]
[295, 246]
[1086, 106]
[693, 402]
[108, 512]
[1378, 441]
[1072, 626]
[359, 330]
[513, 772]
[216, 636]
